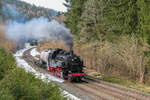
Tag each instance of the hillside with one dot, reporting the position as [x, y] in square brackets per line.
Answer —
[112, 37]
[117, 33]
[10, 9]
[16, 84]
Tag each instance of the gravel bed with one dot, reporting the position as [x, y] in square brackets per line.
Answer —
[75, 91]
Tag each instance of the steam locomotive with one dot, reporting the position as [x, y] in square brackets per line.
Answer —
[63, 64]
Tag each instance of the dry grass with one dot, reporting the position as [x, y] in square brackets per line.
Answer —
[141, 87]
[49, 44]
[91, 73]
[60, 19]
[4, 42]
[124, 58]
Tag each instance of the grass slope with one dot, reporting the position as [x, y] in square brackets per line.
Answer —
[16, 84]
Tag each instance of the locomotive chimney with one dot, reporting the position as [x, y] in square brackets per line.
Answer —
[71, 52]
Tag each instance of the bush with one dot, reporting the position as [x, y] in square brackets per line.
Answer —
[124, 57]
[16, 84]
[6, 94]
[7, 62]
[24, 86]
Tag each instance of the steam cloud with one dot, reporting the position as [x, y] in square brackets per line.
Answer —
[39, 29]
[20, 30]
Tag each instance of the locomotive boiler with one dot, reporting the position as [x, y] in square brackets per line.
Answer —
[63, 64]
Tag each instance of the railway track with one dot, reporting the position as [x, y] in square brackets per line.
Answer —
[97, 90]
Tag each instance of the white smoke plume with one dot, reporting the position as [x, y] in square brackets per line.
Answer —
[39, 29]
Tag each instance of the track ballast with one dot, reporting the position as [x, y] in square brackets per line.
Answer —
[93, 89]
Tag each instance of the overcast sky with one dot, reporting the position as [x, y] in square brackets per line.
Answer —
[53, 4]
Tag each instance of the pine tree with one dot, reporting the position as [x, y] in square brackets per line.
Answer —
[75, 8]
[144, 19]
[127, 17]
[93, 18]
[91, 25]
[0, 8]
[1, 14]
[67, 3]
[118, 16]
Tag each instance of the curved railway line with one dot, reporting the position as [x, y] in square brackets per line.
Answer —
[93, 89]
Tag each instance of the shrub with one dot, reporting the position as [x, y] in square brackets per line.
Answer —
[16, 84]
[124, 57]
[7, 62]
[42, 45]
[6, 94]
[24, 86]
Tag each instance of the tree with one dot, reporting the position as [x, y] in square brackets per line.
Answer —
[144, 19]
[67, 3]
[91, 25]
[75, 9]
[109, 18]
[127, 17]
[0, 8]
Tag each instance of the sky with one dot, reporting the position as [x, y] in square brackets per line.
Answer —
[53, 4]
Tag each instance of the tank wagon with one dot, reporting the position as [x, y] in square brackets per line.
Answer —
[63, 64]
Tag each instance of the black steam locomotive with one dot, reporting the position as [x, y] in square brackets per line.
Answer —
[65, 64]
